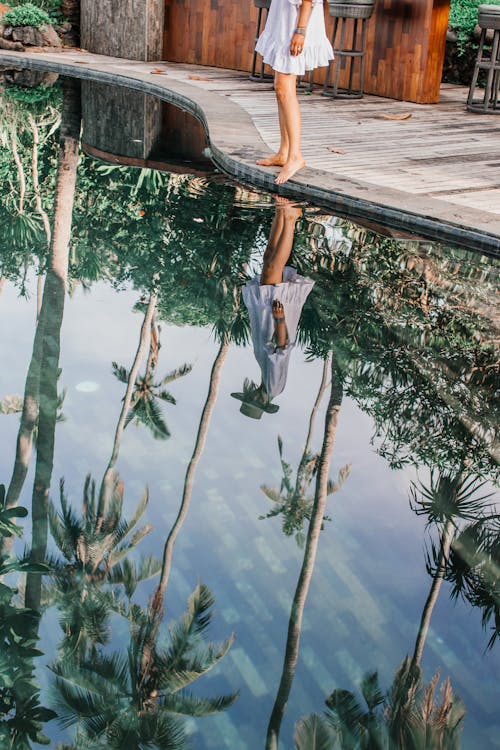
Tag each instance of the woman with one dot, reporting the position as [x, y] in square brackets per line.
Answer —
[293, 41]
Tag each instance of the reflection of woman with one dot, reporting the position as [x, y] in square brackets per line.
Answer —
[274, 299]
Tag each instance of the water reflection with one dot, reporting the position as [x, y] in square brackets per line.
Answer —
[403, 333]
[274, 299]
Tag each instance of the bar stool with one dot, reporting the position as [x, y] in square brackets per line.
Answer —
[347, 52]
[262, 5]
[488, 59]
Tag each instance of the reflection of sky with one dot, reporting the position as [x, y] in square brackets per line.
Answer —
[370, 583]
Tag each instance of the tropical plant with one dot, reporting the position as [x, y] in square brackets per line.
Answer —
[144, 408]
[21, 714]
[466, 555]
[309, 558]
[134, 700]
[94, 548]
[407, 717]
[27, 14]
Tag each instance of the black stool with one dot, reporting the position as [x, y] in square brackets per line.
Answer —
[488, 59]
[262, 5]
[347, 50]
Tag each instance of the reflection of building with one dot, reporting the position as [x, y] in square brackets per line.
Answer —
[128, 127]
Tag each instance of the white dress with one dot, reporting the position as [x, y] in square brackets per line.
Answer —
[292, 293]
[274, 42]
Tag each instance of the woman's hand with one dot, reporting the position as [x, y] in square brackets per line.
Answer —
[297, 45]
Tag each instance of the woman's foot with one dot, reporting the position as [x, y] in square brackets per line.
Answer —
[290, 168]
[276, 160]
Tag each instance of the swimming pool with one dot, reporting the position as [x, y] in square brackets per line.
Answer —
[328, 509]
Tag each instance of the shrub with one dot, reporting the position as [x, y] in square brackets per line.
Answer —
[51, 7]
[463, 18]
[26, 15]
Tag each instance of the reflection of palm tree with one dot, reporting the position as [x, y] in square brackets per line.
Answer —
[94, 552]
[406, 718]
[473, 568]
[149, 687]
[311, 546]
[447, 499]
[144, 408]
[120, 704]
[291, 500]
[206, 416]
[50, 320]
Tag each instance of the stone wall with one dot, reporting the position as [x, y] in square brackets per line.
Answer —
[123, 28]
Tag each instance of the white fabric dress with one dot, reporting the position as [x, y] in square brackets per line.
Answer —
[292, 293]
[274, 42]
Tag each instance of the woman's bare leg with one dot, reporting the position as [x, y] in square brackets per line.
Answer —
[286, 93]
[280, 242]
[280, 158]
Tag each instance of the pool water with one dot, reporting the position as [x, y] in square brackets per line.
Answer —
[310, 489]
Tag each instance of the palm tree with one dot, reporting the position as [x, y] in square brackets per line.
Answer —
[118, 704]
[407, 717]
[448, 499]
[311, 546]
[156, 603]
[144, 408]
[94, 557]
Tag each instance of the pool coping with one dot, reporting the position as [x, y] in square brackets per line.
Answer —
[235, 143]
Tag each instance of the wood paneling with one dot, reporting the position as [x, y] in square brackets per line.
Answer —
[405, 45]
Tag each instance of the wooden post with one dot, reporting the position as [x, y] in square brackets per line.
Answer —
[123, 28]
[405, 49]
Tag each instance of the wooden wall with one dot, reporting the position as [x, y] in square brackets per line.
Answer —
[405, 46]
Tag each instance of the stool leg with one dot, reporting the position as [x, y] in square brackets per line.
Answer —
[488, 94]
[363, 48]
[353, 49]
[476, 67]
[336, 78]
[257, 34]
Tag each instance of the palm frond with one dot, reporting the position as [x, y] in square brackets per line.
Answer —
[184, 369]
[120, 372]
[313, 733]
[191, 705]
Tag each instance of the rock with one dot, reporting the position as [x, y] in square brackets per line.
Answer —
[63, 28]
[29, 78]
[451, 36]
[26, 35]
[6, 32]
[50, 37]
[45, 36]
[12, 46]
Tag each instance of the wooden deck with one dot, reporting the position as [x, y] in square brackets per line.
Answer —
[440, 163]
[441, 151]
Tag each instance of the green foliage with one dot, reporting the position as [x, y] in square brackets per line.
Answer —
[51, 7]
[463, 18]
[21, 715]
[36, 95]
[26, 15]
[291, 501]
[136, 699]
[406, 716]
[93, 547]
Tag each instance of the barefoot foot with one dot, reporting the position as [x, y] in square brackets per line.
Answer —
[276, 160]
[289, 169]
